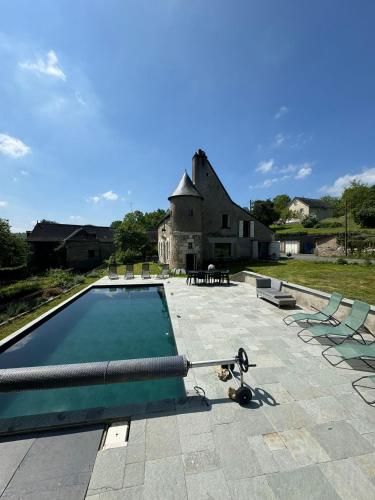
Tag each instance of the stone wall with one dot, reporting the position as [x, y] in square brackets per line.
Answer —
[77, 253]
[183, 243]
[327, 247]
[308, 297]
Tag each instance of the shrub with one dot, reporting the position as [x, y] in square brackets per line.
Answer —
[19, 289]
[60, 278]
[365, 217]
[94, 274]
[309, 221]
[51, 292]
[78, 279]
[129, 256]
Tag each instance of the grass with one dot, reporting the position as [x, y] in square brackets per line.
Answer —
[11, 327]
[298, 228]
[353, 281]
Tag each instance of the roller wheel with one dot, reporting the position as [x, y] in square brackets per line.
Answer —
[243, 396]
[243, 360]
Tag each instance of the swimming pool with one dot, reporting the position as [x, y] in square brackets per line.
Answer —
[105, 323]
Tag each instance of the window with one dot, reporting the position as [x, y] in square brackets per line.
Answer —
[222, 250]
[190, 212]
[190, 246]
[225, 221]
[246, 228]
[91, 254]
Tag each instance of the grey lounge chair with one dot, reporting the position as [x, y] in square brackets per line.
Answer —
[323, 315]
[164, 272]
[145, 271]
[129, 272]
[346, 329]
[270, 289]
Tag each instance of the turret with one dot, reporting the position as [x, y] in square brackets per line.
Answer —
[186, 206]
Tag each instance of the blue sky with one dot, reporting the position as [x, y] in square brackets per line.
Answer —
[103, 103]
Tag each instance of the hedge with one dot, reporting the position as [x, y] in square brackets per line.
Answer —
[13, 273]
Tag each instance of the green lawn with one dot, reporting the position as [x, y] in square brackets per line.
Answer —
[298, 228]
[353, 281]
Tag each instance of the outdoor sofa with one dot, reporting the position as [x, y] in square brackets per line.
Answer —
[270, 289]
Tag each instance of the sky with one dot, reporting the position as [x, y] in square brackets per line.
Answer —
[103, 103]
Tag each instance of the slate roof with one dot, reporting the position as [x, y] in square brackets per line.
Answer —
[48, 232]
[312, 202]
[185, 188]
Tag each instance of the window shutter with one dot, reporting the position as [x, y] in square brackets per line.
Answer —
[252, 227]
[240, 229]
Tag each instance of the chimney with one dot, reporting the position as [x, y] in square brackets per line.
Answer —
[197, 164]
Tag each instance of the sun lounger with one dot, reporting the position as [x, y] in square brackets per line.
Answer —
[346, 329]
[356, 385]
[146, 271]
[164, 272]
[129, 272]
[323, 315]
[350, 351]
[270, 289]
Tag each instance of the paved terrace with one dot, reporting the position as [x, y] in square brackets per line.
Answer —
[306, 434]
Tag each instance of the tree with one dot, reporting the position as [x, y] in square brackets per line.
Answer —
[355, 195]
[13, 247]
[280, 202]
[334, 203]
[263, 211]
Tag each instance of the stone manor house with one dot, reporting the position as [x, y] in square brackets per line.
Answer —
[204, 225]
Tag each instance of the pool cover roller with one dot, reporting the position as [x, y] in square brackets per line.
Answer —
[111, 372]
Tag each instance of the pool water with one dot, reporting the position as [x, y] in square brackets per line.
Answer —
[108, 323]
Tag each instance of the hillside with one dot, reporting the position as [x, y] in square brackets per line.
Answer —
[325, 227]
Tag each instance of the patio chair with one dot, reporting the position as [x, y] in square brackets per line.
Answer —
[112, 272]
[349, 351]
[164, 272]
[323, 315]
[270, 289]
[346, 329]
[217, 277]
[129, 272]
[145, 271]
[200, 276]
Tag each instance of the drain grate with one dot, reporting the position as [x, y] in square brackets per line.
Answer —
[116, 436]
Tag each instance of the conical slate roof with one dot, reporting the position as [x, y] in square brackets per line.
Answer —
[185, 188]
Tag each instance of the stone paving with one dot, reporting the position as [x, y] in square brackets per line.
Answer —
[306, 433]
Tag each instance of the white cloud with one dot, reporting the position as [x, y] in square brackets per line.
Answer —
[75, 217]
[304, 171]
[265, 166]
[269, 182]
[288, 168]
[3, 204]
[45, 66]
[23, 172]
[283, 110]
[108, 195]
[11, 146]
[279, 140]
[367, 176]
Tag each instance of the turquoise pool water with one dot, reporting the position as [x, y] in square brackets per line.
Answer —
[104, 324]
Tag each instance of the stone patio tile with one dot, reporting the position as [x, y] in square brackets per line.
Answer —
[237, 462]
[196, 422]
[253, 421]
[370, 437]
[207, 485]
[285, 460]
[263, 454]
[348, 480]
[299, 388]
[304, 448]
[14, 449]
[136, 452]
[367, 465]
[137, 431]
[164, 479]
[251, 488]
[162, 438]
[340, 440]
[200, 461]
[307, 482]
[134, 474]
[287, 416]
[197, 442]
[109, 469]
[325, 409]
[278, 392]
[134, 493]
[274, 441]
[224, 413]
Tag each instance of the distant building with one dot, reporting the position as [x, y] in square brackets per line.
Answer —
[309, 206]
[68, 245]
[204, 225]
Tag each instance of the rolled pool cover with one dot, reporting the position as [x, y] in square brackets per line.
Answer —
[102, 372]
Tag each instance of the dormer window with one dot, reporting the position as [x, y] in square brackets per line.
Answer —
[225, 221]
